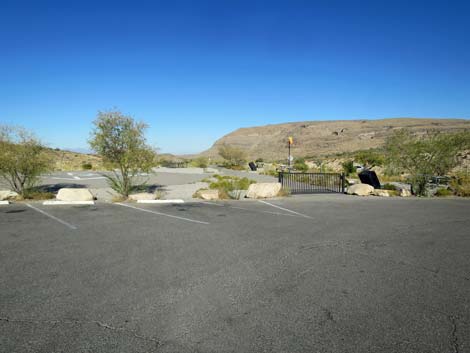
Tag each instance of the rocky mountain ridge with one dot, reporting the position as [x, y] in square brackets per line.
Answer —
[321, 138]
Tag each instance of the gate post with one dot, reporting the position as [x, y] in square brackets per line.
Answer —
[343, 181]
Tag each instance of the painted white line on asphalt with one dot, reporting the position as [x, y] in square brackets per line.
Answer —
[71, 226]
[57, 178]
[161, 214]
[57, 202]
[274, 213]
[4, 202]
[211, 203]
[160, 201]
[285, 209]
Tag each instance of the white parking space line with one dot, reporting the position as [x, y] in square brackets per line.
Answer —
[60, 203]
[285, 209]
[251, 210]
[71, 226]
[268, 212]
[211, 203]
[161, 214]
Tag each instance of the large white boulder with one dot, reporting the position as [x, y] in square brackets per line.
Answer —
[70, 194]
[142, 196]
[7, 195]
[383, 193]
[405, 193]
[360, 190]
[208, 194]
[263, 190]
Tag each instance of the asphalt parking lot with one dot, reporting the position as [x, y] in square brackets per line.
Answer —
[160, 177]
[323, 273]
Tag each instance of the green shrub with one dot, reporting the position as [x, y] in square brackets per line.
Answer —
[299, 164]
[228, 183]
[370, 158]
[443, 192]
[87, 166]
[389, 187]
[348, 167]
[200, 162]
[461, 185]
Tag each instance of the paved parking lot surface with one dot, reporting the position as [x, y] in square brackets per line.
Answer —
[324, 273]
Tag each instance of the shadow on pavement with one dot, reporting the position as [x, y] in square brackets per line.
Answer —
[54, 188]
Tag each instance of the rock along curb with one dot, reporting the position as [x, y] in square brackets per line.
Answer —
[4, 202]
[56, 203]
[160, 201]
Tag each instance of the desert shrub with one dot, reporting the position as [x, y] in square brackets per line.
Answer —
[443, 192]
[460, 184]
[259, 160]
[389, 187]
[34, 194]
[121, 141]
[200, 162]
[233, 156]
[299, 164]
[348, 167]
[229, 183]
[87, 166]
[23, 159]
[370, 158]
[432, 154]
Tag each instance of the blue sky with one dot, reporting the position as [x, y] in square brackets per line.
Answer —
[196, 70]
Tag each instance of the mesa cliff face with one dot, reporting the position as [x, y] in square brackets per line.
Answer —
[319, 138]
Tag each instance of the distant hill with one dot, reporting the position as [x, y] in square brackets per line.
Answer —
[320, 138]
[68, 160]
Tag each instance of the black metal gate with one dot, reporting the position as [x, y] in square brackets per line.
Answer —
[312, 183]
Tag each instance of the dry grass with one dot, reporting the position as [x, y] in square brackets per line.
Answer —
[284, 192]
[37, 196]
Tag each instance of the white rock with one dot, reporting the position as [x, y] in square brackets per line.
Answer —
[208, 194]
[383, 193]
[360, 190]
[210, 170]
[400, 186]
[237, 194]
[142, 196]
[263, 190]
[405, 193]
[70, 194]
[7, 195]
[352, 181]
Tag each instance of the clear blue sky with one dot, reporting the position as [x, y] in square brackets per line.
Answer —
[196, 70]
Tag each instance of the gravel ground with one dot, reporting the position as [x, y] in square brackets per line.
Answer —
[185, 191]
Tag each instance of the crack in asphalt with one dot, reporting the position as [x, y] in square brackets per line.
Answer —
[455, 341]
[79, 322]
